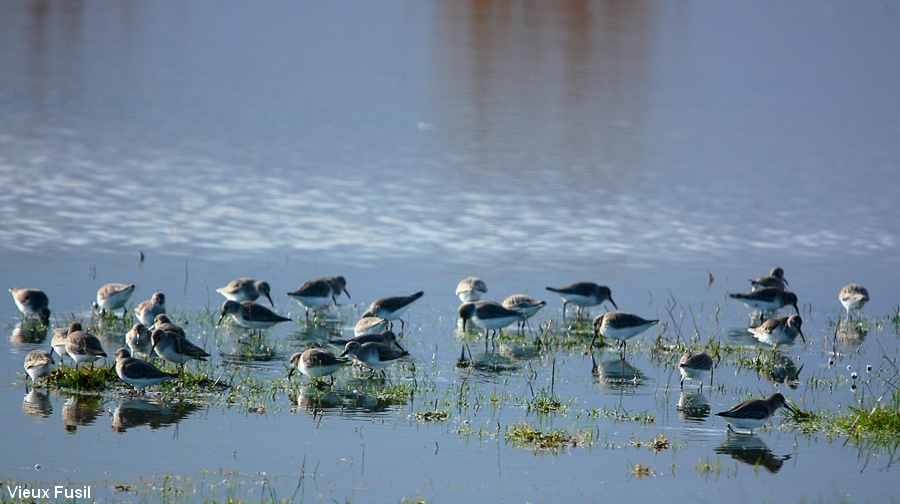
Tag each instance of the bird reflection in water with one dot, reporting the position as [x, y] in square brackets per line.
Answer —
[693, 406]
[616, 372]
[751, 450]
[36, 404]
[28, 331]
[354, 396]
[80, 410]
[153, 413]
[851, 333]
[783, 370]
[488, 362]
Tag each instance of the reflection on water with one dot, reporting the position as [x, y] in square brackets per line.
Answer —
[751, 450]
[782, 369]
[28, 331]
[693, 406]
[851, 333]
[486, 364]
[36, 404]
[617, 373]
[506, 122]
[81, 410]
[154, 413]
[350, 398]
[250, 348]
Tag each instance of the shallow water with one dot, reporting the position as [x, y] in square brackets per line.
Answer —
[410, 144]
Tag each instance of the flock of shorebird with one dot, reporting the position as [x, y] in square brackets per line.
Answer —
[375, 346]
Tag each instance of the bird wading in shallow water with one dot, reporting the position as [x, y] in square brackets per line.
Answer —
[471, 289]
[148, 310]
[695, 365]
[137, 373]
[316, 363]
[374, 356]
[246, 289]
[774, 279]
[620, 326]
[32, 303]
[755, 412]
[854, 297]
[583, 295]
[392, 308]
[524, 304]
[113, 296]
[313, 294]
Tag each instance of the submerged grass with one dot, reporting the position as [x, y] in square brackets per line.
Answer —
[524, 435]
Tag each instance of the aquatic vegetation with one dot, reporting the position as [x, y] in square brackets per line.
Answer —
[525, 435]
[84, 378]
[544, 402]
[432, 416]
[644, 417]
[640, 470]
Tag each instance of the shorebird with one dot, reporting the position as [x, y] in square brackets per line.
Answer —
[316, 363]
[58, 342]
[774, 279]
[392, 308]
[176, 348]
[583, 294]
[471, 289]
[779, 330]
[524, 304]
[113, 296]
[695, 365]
[384, 337]
[620, 326]
[854, 297]
[753, 413]
[32, 303]
[250, 315]
[246, 289]
[488, 315]
[148, 310]
[767, 299]
[137, 373]
[38, 363]
[338, 286]
[83, 346]
[370, 325]
[163, 323]
[374, 356]
[313, 294]
[138, 341]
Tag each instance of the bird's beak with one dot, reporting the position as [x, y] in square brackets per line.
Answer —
[801, 335]
[270, 300]
[223, 316]
[291, 372]
[796, 309]
[613, 303]
[347, 293]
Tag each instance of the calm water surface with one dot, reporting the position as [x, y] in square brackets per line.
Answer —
[406, 145]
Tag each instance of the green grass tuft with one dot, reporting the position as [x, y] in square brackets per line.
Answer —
[525, 435]
[84, 378]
